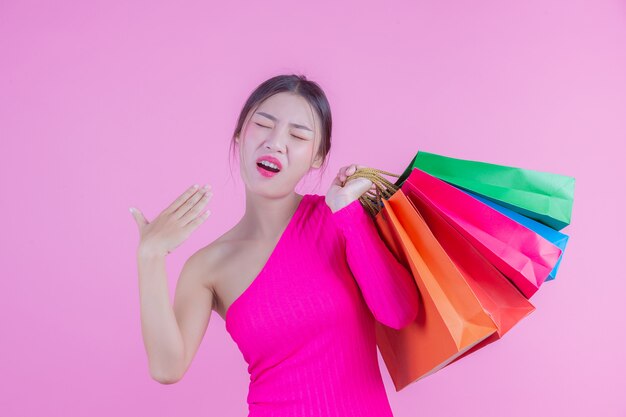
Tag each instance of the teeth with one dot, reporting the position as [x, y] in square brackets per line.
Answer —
[269, 164]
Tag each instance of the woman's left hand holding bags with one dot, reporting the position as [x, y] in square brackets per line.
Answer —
[342, 193]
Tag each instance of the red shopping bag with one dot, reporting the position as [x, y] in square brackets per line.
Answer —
[502, 300]
[522, 255]
[451, 319]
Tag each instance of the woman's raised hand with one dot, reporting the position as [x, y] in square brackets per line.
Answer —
[342, 192]
[174, 224]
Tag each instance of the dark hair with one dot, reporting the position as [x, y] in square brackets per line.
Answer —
[296, 84]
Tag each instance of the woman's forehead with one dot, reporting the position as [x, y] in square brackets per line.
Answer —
[289, 108]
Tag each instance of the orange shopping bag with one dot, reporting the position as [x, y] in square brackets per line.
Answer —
[502, 300]
[451, 318]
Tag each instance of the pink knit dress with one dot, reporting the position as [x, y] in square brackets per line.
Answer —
[305, 325]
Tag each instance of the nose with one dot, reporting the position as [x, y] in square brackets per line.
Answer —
[275, 141]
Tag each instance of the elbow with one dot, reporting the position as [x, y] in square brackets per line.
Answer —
[165, 378]
[167, 371]
[409, 307]
[167, 381]
[406, 304]
[403, 317]
[402, 321]
[411, 317]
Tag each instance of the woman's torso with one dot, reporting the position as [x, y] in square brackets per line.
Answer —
[299, 319]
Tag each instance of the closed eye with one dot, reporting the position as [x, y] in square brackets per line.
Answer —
[267, 127]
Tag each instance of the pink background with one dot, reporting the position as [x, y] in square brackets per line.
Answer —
[106, 105]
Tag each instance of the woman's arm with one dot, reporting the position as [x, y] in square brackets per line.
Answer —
[387, 286]
[172, 335]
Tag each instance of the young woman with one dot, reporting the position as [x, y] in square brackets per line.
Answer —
[299, 280]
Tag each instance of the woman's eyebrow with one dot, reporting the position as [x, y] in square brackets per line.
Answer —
[269, 116]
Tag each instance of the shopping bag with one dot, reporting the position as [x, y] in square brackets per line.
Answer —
[555, 237]
[523, 256]
[501, 299]
[451, 319]
[543, 196]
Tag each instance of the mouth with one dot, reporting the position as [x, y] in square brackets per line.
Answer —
[269, 164]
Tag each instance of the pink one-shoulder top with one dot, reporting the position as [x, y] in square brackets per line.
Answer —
[305, 325]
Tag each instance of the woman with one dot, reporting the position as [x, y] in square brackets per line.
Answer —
[299, 280]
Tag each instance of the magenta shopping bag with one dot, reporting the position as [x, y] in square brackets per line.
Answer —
[522, 255]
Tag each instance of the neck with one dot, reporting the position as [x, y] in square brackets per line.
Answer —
[266, 217]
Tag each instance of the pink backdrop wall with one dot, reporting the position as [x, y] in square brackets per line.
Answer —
[106, 105]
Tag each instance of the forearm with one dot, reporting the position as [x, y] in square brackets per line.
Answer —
[387, 286]
[161, 334]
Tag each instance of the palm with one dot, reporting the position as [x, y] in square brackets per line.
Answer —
[343, 190]
[352, 190]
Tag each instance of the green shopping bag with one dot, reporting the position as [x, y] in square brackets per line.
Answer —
[542, 196]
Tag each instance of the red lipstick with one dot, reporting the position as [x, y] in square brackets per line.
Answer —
[271, 159]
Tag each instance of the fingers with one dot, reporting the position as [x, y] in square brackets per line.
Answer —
[354, 167]
[191, 202]
[348, 170]
[199, 204]
[182, 199]
[337, 182]
[344, 173]
[199, 219]
[140, 220]
[351, 169]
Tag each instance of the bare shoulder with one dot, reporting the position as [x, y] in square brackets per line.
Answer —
[208, 260]
[213, 265]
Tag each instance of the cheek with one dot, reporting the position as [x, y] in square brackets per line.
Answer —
[251, 131]
[251, 140]
[254, 128]
[302, 150]
[247, 147]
